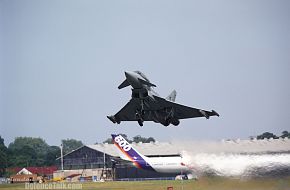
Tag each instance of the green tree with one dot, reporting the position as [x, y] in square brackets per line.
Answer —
[138, 139]
[70, 145]
[267, 135]
[110, 141]
[53, 152]
[285, 134]
[27, 151]
[150, 139]
[3, 157]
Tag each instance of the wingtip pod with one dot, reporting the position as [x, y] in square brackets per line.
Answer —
[207, 114]
[113, 119]
[215, 113]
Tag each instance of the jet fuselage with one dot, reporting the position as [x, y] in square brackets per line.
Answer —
[147, 105]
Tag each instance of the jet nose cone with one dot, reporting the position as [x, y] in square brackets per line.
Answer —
[126, 73]
[132, 78]
[129, 75]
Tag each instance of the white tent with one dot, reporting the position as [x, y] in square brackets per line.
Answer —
[24, 171]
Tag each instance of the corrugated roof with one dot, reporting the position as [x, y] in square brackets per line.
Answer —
[143, 148]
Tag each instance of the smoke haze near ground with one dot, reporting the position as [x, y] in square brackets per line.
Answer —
[238, 165]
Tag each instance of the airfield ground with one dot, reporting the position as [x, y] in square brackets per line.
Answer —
[201, 184]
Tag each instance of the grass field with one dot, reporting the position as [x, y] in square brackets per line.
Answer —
[201, 184]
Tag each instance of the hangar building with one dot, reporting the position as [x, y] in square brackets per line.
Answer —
[92, 159]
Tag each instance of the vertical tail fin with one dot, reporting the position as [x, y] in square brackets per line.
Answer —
[171, 97]
[139, 160]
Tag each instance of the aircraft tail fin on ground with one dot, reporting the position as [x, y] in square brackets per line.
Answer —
[124, 84]
[171, 97]
[130, 154]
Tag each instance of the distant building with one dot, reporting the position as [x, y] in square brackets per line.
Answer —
[21, 178]
[41, 171]
[32, 173]
[90, 160]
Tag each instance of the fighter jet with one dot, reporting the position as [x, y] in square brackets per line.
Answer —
[146, 105]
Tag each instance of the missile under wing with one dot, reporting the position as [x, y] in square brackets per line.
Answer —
[146, 105]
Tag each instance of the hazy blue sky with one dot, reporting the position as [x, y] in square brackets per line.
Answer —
[62, 61]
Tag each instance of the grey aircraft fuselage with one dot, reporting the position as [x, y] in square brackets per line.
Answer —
[147, 105]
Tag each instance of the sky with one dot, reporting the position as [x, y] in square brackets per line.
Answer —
[62, 61]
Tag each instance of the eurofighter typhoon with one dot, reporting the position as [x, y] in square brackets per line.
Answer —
[146, 105]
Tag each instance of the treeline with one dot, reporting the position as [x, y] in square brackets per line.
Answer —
[268, 135]
[29, 151]
[136, 139]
